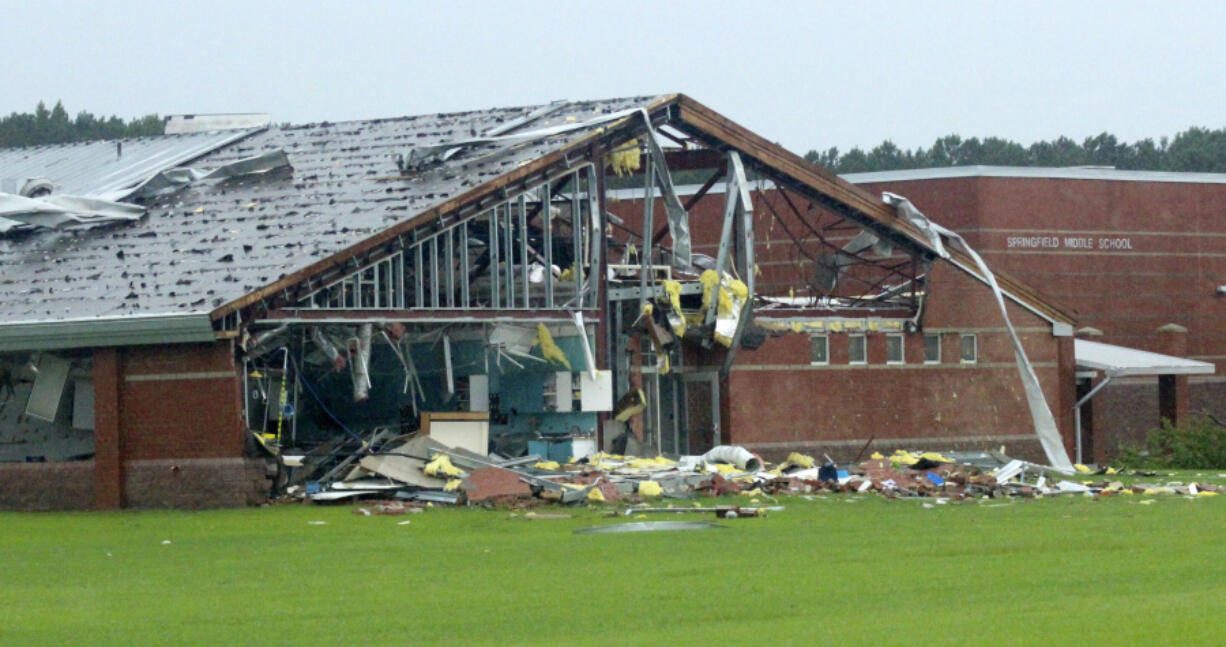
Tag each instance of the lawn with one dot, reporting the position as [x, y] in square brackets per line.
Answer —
[834, 570]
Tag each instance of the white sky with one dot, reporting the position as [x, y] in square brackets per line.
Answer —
[806, 74]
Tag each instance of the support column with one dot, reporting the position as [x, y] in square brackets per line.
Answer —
[108, 445]
[1173, 389]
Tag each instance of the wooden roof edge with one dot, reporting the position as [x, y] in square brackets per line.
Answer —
[697, 115]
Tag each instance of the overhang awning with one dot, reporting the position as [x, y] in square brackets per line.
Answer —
[1120, 361]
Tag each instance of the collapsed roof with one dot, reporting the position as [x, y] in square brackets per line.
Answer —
[209, 250]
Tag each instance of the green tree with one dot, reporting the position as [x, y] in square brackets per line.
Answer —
[1195, 149]
[54, 126]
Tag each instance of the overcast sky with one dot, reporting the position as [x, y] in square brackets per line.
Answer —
[806, 74]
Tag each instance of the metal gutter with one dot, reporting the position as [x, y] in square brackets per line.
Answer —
[95, 332]
[1034, 172]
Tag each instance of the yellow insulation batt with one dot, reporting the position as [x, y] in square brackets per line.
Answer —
[796, 459]
[625, 159]
[549, 350]
[709, 280]
[650, 489]
[672, 291]
[440, 466]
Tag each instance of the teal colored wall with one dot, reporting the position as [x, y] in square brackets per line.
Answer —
[518, 392]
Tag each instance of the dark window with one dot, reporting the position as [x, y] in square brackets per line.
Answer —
[932, 349]
[856, 350]
[893, 349]
[819, 349]
[969, 351]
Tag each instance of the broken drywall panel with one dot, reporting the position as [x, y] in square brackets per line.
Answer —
[48, 390]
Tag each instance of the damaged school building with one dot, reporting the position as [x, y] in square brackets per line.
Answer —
[182, 314]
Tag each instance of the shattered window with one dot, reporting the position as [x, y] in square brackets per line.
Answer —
[970, 348]
[893, 349]
[856, 350]
[819, 349]
[932, 349]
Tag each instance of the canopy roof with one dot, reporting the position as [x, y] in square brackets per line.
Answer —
[1119, 361]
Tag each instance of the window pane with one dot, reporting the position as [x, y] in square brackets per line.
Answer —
[969, 351]
[932, 348]
[855, 349]
[893, 348]
[819, 350]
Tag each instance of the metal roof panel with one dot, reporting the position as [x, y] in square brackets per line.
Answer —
[101, 167]
[210, 244]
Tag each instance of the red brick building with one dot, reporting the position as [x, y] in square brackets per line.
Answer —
[224, 297]
[1129, 251]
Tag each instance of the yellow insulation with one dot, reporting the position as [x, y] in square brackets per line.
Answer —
[440, 466]
[625, 159]
[549, 350]
[650, 489]
[796, 459]
[709, 280]
[672, 290]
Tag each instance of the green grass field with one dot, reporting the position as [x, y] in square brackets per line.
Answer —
[836, 570]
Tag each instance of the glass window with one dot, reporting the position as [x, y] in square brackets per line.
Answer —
[893, 349]
[856, 351]
[819, 349]
[932, 349]
[969, 348]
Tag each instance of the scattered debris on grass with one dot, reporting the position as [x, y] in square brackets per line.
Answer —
[407, 476]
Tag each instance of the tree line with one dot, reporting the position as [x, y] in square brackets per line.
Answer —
[1195, 149]
[54, 126]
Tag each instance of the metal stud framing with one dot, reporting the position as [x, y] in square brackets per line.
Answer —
[485, 260]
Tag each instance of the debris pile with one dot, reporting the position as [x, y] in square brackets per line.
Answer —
[415, 471]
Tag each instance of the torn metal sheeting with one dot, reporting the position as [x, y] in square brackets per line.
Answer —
[430, 496]
[648, 526]
[62, 211]
[1040, 413]
[99, 168]
[174, 178]
[340, 495]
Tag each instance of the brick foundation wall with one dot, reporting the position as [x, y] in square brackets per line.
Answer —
[47, 486]
[196, 483]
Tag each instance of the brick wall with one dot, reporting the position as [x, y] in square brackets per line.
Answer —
[1174, 259]
[776, 399]
[181, 401]
[47, 486]
[169, 430]
[194, 483]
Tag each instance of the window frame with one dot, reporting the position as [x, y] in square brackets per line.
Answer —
[974, 348]
[902, 349]
[825, 339]
[936, 336]
[863, 349]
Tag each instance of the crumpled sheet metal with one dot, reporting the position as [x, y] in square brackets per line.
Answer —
[1040, 413]
[174, 178]
[60, 211]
